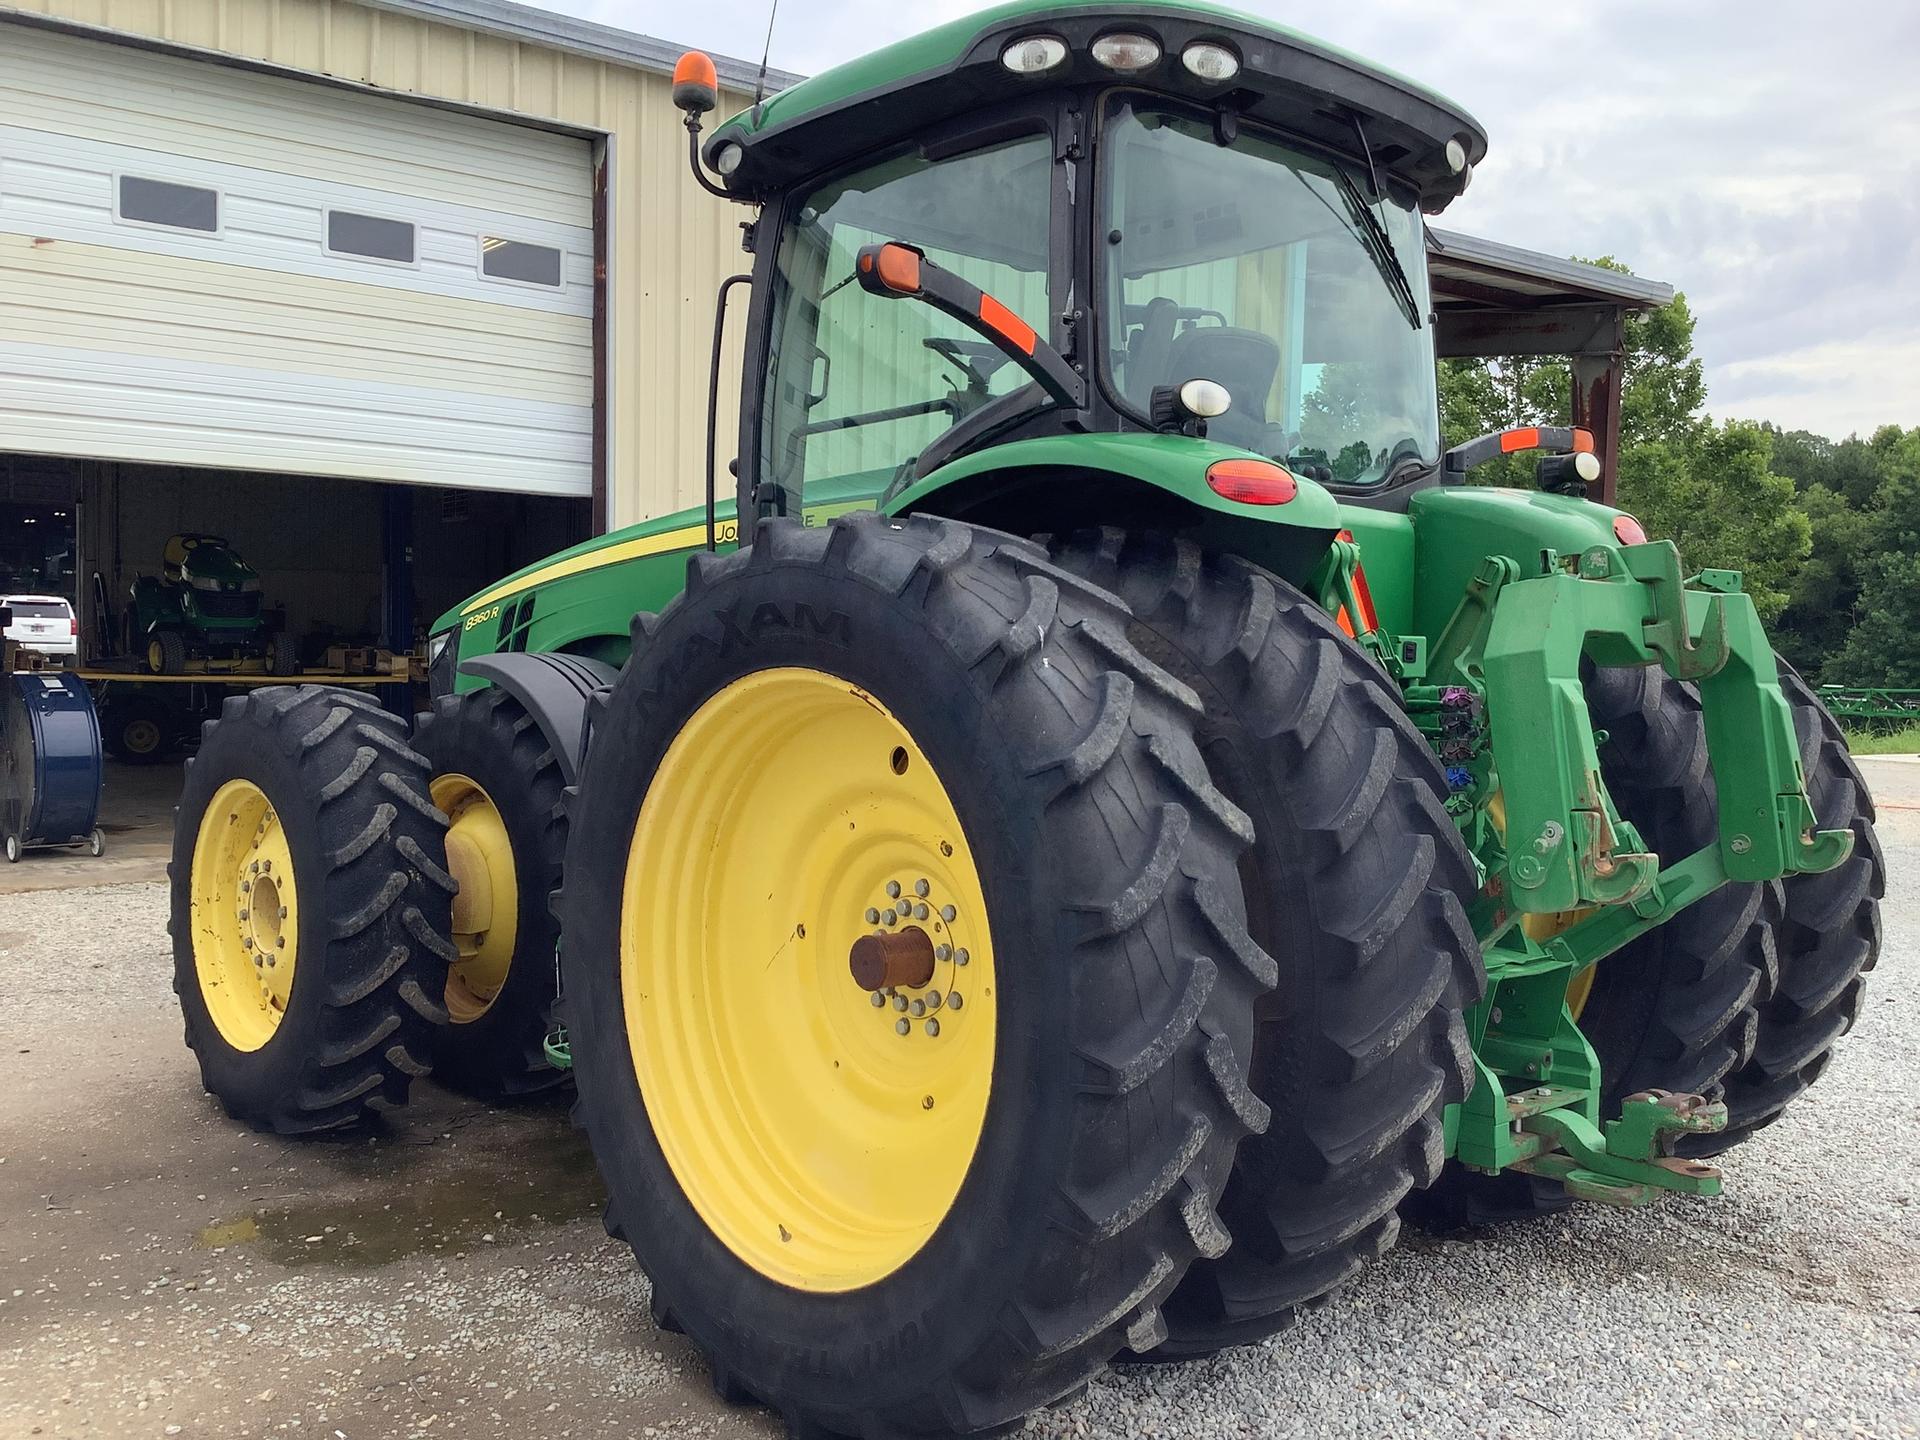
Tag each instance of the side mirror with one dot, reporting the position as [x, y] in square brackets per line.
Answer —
[696, 84]
[1568, 467]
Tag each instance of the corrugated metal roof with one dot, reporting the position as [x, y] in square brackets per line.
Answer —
[1536, 278]
[582, 37]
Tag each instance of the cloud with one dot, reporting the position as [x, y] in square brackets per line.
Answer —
[1760, 155]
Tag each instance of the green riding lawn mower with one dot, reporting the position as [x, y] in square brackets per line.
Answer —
[206, 603]
[1104, 819]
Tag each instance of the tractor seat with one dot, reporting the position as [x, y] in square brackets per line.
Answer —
[1245, 361]
[174, 557]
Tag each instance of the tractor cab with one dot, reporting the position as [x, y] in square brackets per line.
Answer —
[1162, 220]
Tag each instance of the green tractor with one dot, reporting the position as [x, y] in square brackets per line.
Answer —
[205, 604]
[1104, 816]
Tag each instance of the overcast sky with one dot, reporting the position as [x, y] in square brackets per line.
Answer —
[1761, 155]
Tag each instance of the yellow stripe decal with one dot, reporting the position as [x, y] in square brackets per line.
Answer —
[687, 537]
[683, 539]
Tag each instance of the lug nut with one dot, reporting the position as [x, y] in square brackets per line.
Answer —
[902, 1027]
[888, 917]
[933, 999]
[899, 1002]
[943, 952]
[243, 914]
[283, 912]
[954, 1002]
[920, 888]
[919, 1008]
[873, 915]
[920, 912]
[933, 1027]
[960, 956]
[893, 889]
[879, 1000]
[947, 912]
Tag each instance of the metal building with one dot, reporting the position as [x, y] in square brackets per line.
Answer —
[434, 242]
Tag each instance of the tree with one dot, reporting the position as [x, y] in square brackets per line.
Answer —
[1824, 597]
[1712, 492]
[1883, 647]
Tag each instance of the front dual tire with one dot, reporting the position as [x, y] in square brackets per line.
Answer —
[937, 1230]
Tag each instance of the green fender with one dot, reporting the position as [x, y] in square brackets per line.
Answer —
[1058, 482]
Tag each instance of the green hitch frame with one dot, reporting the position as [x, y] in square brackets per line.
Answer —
[1530, 796]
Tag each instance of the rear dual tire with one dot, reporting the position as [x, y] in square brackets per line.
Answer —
[1122, 1005]
[1826, 940]
[1354, 884]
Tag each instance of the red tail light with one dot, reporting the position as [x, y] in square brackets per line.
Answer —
[1252, 482]
[73, 626]
[1627, 530]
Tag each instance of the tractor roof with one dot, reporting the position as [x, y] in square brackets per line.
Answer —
[1286, 79]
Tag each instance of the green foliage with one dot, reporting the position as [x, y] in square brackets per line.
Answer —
[1883, 645]
[1865, 741]
[1712, 492]
[1826, 532]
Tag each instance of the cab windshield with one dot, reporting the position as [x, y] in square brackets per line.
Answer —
[859, 387]
[1256, 266]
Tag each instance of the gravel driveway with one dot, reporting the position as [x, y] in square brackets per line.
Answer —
[163, 1272]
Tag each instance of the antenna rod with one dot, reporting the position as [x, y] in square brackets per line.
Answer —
[760, 85]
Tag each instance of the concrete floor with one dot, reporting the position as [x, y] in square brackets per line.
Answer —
[164, 1271]
[136, 812]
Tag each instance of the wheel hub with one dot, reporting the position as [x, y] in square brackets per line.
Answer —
[912, 962]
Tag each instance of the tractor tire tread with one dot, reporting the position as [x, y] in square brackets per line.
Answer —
[1361, 1046]
[502, 1053]
[366, 1041]
[1123, 1224]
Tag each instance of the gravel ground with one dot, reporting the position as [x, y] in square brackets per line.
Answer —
[163, 1272]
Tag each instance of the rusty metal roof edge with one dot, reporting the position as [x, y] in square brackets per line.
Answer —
[1589, 282]
[582, 37]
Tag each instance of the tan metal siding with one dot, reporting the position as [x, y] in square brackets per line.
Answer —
[672, 244]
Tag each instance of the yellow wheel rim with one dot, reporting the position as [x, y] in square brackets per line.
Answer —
[820, 1129]
[246, 915]
[486, 911]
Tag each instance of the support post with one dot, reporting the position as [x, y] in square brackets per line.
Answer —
[396, 587]
[1597, 380]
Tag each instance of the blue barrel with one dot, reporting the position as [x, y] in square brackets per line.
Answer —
[50, 771]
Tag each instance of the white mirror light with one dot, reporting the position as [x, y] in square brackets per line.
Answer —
[1205, 60]
[1034, 54]
[1206, 398]
[728, 157]
[1456, 156]
[1126, 53]
[1586, 465]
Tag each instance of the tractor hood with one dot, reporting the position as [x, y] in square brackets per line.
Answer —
[1286, 80]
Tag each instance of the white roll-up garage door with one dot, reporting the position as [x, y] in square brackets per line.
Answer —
[203, 265]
